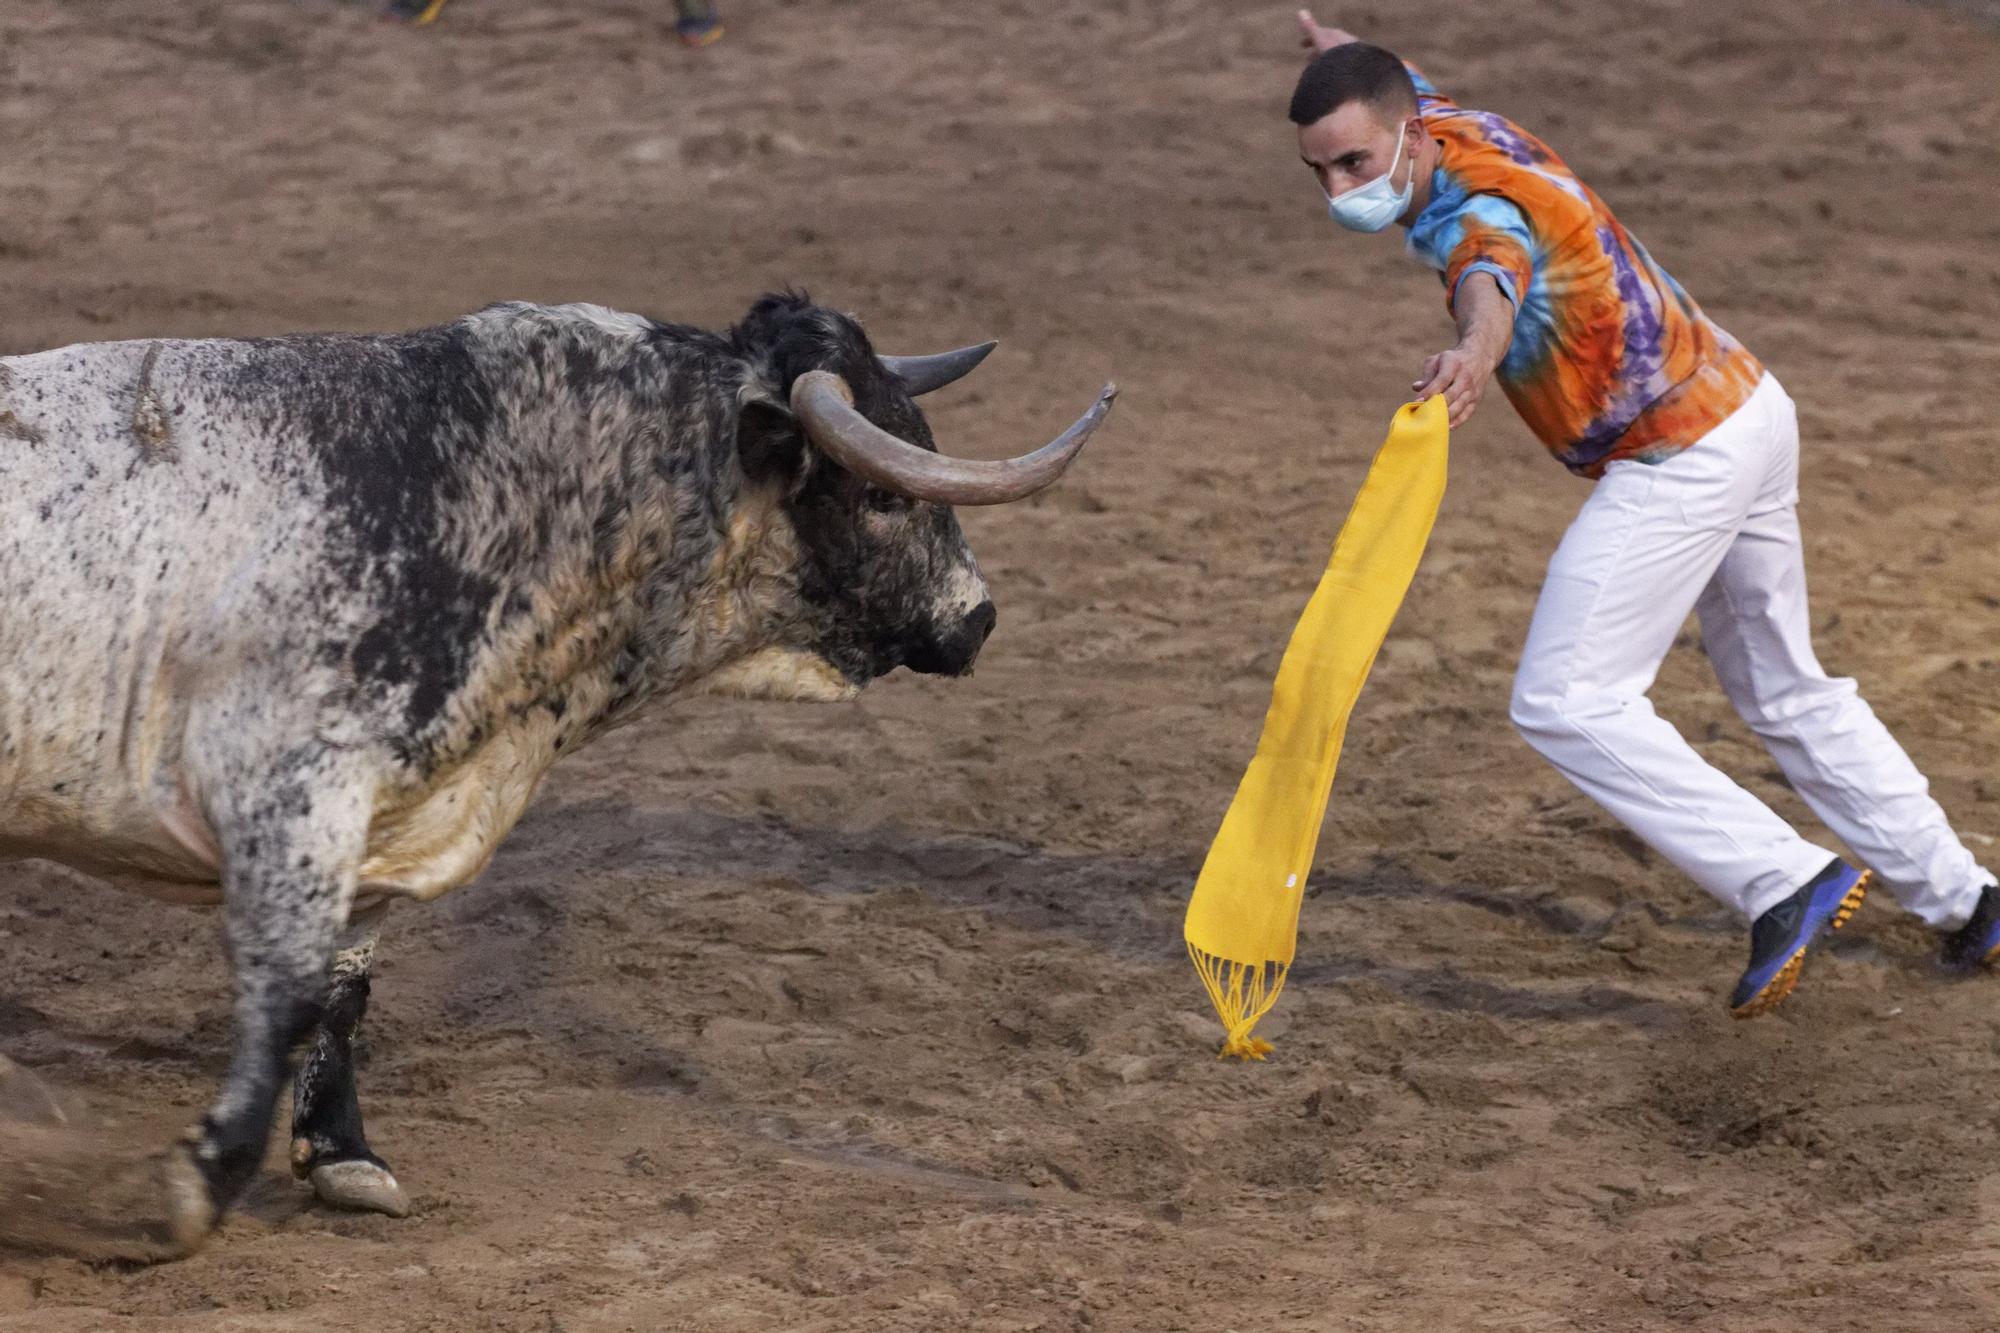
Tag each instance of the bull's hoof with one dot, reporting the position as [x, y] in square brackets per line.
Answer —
[85, 1193]
[191, 1213]
[363, 1186]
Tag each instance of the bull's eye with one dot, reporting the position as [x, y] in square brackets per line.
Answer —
[879, 501]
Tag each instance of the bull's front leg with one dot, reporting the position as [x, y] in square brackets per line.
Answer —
[328, 1145]
[291, 846]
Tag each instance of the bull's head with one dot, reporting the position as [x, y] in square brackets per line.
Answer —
[832, 441]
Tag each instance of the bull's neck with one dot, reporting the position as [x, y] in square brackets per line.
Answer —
[681, 567]
[605, 511]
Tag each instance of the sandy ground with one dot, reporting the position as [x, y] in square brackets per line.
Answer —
[877, 1017]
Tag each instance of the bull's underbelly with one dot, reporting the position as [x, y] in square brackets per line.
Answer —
[421, 842]
[106, 830]
[140, 866]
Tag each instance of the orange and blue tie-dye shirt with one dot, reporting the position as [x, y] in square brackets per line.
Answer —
[1610, 358]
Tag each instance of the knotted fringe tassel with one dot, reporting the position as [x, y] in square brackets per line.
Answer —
[1242, 993]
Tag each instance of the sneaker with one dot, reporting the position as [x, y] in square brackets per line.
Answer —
[1977, 942]
[1779, 938]
[418, 12]
[698, 25]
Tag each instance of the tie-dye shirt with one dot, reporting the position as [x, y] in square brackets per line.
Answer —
[1610, 358]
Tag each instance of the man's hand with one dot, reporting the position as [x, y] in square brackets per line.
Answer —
[1460, 375]
[1485, 328]
[1314, 36]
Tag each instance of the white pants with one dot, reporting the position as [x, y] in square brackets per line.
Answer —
[1715, 529]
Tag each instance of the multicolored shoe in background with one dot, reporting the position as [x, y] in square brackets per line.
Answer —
[412, 11]
[698, 25]
[1779, 938]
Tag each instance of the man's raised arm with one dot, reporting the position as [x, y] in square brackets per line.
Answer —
[1318, 38]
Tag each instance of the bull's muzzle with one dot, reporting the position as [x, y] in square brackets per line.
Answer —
[953, 652]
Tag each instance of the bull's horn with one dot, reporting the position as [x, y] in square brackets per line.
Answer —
[825, 407]
[921, 374]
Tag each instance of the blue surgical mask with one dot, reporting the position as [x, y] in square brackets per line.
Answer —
[1373, 206]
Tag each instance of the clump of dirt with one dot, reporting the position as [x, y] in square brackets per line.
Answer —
[1337, 1107]
[1740, 1100]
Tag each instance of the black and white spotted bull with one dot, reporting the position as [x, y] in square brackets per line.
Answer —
[296, 625]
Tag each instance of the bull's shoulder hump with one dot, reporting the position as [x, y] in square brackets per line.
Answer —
[510, 319]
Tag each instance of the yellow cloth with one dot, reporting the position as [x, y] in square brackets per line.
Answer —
[1243, 921]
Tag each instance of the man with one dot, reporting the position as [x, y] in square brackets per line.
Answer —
[1695, 450]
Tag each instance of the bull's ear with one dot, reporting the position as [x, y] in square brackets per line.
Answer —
[770, 443]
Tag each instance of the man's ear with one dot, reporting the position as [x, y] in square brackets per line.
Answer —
[770, 444]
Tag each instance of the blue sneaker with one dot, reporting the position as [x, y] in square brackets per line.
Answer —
[698, 25]
[418, 12]
[1779, 938]
[1977, 942]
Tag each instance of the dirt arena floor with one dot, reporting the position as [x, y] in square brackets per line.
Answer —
[876, 1017]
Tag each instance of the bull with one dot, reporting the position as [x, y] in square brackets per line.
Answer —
[296, 626]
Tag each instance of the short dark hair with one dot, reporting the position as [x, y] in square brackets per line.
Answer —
[1352, 72]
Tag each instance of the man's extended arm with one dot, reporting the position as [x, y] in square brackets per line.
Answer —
[1485, 327]
[1311, 34]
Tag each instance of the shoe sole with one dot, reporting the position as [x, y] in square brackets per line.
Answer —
[1778, 987]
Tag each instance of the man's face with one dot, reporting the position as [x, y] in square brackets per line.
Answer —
[1354, 143]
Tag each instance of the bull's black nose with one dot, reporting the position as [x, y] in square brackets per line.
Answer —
[979, 624]
[950, 650]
